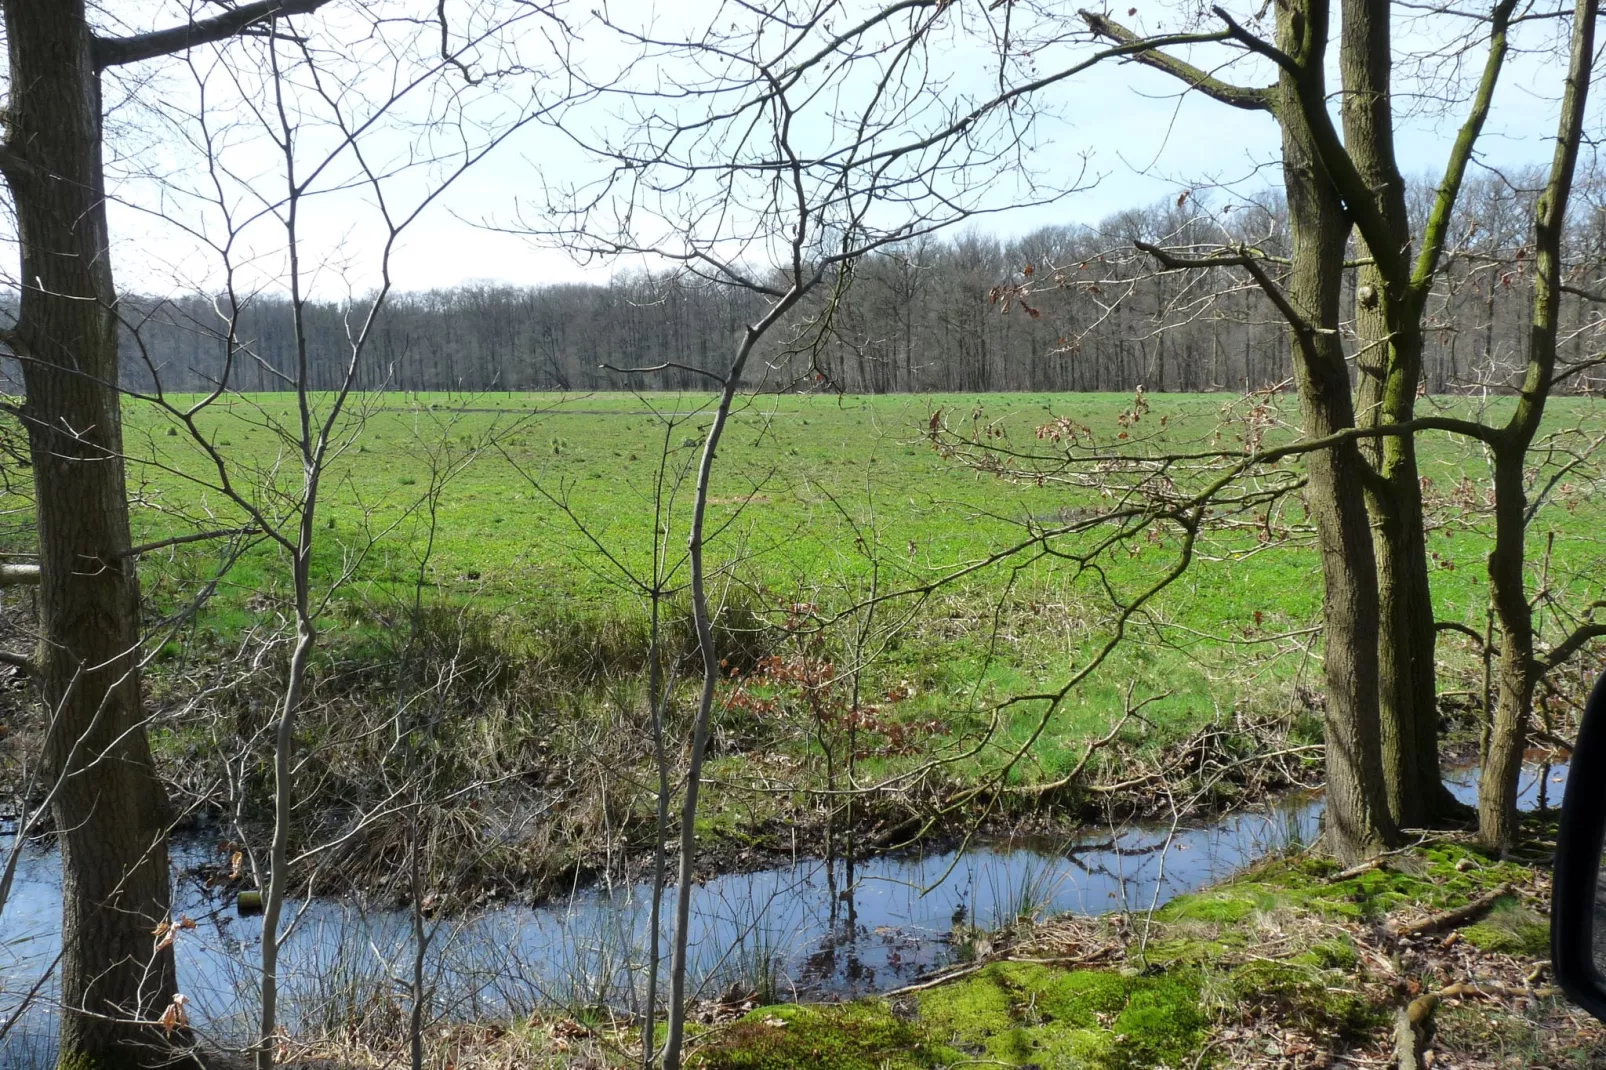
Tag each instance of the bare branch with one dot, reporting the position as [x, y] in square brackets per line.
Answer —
[180, 540]
[1246, 97]
[114, 51]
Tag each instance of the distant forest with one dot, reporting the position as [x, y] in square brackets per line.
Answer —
[1065, 308]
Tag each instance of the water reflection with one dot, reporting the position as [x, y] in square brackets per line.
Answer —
[807, 928]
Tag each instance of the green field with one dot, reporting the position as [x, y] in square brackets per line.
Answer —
[799, 480]
[817, 500]
[813, 496]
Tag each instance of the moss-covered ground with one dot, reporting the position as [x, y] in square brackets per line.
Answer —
[1281, 966]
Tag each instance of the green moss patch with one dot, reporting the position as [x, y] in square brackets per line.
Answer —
[1511, 929]
[1301, 994]
[1010, 1013]
[1023, 1014]
[856, 1036]
[1278, 944]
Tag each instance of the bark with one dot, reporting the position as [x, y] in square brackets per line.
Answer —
[1358, 822]
[702, 617]
[1388, 321]
[1315, 168]
[1518, 671]
[111, 809]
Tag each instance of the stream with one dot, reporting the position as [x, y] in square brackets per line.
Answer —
[801, 929]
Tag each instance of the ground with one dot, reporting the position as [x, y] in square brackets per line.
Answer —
[1288, 965]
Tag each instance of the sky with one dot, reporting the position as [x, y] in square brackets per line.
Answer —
[1130, 133]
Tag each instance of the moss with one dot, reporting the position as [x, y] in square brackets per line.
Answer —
[971, 1011]
[1332, 954]
[1511, 929]
[855, 1036]
[1025, 1014]
[1303, 994]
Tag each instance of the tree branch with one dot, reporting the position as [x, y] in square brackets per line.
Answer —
[115, 51]
[1581, 637]
[1255, 44]
[1461, 154]
[18, 575]
[180, 540]
[1457, 626]
[1587, 295]
[1242, 258]
[20, 661]
[666, 365]
[1248, 98]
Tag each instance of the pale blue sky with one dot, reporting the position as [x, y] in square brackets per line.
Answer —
[1140, 140]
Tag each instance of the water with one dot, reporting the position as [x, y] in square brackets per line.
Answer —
[799, 927]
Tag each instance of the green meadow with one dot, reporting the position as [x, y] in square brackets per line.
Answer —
[537, 515]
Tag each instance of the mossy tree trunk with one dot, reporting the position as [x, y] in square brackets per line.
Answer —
[1392, 289]
[1518, 670]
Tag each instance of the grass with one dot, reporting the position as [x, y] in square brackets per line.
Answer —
[817, 501]
[811, 494]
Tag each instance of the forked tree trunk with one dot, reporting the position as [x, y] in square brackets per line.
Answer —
[111, 810]
[1518, 673]
[1358, 823]
[1388, 323]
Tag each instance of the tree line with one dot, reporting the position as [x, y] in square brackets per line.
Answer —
[933, 315]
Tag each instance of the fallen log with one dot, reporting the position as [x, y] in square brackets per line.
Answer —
[1449, 919]
[19, 575]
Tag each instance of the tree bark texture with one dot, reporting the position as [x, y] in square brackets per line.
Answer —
[1358, 822]
[1518, 671]
[111, 810]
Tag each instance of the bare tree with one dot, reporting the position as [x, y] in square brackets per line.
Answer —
[111, 811]
[808, 137]
[331, 120]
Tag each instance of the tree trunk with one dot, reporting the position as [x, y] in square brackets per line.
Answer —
[1358, 822]
[1518, 674]
[111, 810]
[1497, 794]
[1388, 324]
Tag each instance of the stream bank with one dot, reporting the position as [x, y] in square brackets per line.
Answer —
[806, 930]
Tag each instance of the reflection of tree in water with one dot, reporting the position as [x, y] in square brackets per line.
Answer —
[839, 955]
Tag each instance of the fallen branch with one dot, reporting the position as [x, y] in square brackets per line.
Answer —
[1379, 861]
[19, 575]
[935, 979]
[1356, 871]
[1413, 1024]
[1450, 919]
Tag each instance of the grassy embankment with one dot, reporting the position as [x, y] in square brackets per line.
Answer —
[818, 501]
